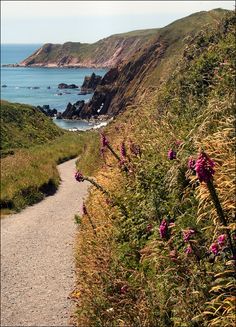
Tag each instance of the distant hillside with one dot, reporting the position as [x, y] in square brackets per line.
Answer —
[107, 52]
[143, 72]
[23, 126]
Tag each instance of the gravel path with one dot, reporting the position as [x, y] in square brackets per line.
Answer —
[37, 267]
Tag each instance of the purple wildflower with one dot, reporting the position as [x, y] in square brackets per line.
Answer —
[104, 140]
[221, 240]
[163, 228]
[123, 150]
[204, 167]
[84, 209]
[187, 234]
[79, 177]
[214, 248]
[188, 250]
[191, 163]
[171, 154]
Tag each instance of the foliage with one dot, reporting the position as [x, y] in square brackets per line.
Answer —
[130, 274]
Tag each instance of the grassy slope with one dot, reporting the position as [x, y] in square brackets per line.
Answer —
[128, 275]
[32, 145]
[23, 126]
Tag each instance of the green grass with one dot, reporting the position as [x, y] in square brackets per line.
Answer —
[31, 147]
[23, 126]
[30, 174]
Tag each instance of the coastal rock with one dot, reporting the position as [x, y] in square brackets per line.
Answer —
[73, 110]
[85, 92]
[45, 109]
[110, 76]
[90, 82]
[59, 115]
[67, 86]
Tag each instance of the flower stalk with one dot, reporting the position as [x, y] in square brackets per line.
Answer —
[80, 178]
[85, 212]
[205, 170]
[220, 212]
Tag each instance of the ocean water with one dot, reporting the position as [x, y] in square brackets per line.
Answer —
[30, 85]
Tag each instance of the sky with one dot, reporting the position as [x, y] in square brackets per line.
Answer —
[89, 21]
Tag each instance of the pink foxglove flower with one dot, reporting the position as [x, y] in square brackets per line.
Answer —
[204, 167]
[79, 177]
[163, 229]
[171, 154]
[214, 248]
[191, 163]
[104, 140]
[188, 250]
[221, 240]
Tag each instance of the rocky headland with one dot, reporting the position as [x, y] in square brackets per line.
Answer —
[105, 53]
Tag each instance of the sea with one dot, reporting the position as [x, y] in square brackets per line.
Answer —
[38, 85]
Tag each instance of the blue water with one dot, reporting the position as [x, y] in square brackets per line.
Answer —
[30, 85]
[14, 53]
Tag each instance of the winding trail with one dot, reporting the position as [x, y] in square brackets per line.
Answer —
[37, 261]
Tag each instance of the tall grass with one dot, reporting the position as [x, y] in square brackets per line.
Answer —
[130, 274]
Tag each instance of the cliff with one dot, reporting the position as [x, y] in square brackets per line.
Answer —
[147, 69]
[107, 52]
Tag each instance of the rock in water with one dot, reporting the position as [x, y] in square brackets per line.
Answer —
[90, 82]
[73, 110]
[67, 86]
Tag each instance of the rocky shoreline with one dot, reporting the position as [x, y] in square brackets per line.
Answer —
[96, 108]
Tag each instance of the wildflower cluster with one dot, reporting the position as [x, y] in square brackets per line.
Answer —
[163, 229]
[204, 167]
[171, 154]
[219, 245]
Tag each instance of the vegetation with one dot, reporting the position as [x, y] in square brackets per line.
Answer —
[32, 145]
[153, 249]
[23, 126]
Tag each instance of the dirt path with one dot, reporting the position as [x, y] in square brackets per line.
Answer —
[37, 268]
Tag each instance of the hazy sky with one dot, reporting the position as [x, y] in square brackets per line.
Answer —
[89, 21]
